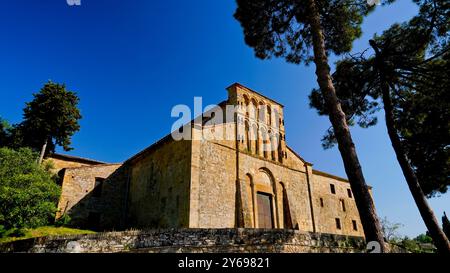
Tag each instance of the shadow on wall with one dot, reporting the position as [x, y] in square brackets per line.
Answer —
[104, 207]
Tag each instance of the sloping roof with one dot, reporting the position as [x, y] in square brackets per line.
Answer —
[317, 172]
[94, 166]
[329, 175]
[168, 137]
[75, 158]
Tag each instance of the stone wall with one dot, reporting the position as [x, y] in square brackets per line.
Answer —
[255, 169]
[113, 202]
[159, 187]
[60, 162]
[76, 197]
[193, 241]
[333, 205]
[213, 183]
[217, 186]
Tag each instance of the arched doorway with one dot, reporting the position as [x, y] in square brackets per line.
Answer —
[265, 200]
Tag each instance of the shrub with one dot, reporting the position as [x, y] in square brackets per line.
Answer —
[63, 221]
[28, 193]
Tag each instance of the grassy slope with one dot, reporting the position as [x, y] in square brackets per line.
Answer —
[46, 231]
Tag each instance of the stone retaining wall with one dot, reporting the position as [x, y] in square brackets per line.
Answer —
[193, 241]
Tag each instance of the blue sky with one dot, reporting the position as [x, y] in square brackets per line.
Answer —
[131, 61]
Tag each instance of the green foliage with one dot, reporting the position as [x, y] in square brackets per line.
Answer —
[416, 245]
[415, 64]
[281, 28]
[423, 243]
[13, 232]
[28, 193]
[63, 221]
[424, 239]
[42, 232]
[51, 116]
[5, 128]
[423, 122]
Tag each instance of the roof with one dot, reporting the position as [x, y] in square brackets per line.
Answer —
[329, 175]
[243, 86]
[317, 172]
[75, 158]
[94, 166]
[168, 137]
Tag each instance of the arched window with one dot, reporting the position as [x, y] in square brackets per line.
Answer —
[246, 106]
[266, 143]
[252, 109]
[247, 136]
[263, 113]
[273, 146]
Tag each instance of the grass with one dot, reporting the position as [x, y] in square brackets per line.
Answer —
[46, 231]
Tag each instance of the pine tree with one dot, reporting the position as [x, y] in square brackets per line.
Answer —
[290, 29]
[408, 67]
[50, 119]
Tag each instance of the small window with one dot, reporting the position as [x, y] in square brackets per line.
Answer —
[333, 190]
[97, 191]
[321, 202]
[349, 193]
[355, 225]
[338, 223]
[342, 204]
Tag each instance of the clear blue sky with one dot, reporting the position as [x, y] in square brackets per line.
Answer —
[132, 61]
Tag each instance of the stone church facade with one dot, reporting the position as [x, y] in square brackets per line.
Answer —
[252, 179]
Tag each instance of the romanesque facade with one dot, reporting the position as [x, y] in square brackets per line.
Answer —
[232, 172]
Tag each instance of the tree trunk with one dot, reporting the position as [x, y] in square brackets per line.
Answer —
[439, 238]
[436, 233]
[363, 199]
[44, 148]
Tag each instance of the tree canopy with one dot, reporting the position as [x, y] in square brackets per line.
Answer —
[4, 132]
[281, 28]
[305, 31]
[51, 116]
[416, 66]
[28, 193]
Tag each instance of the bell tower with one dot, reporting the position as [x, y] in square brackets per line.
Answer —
[260, 123]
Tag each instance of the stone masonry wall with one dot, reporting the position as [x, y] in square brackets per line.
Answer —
[159, 187]
[333, 206]
[78, 183]
[294, 181]
[193, 241]
[59, 164]
[217, 186]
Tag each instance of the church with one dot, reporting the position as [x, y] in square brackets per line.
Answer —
[230, 172]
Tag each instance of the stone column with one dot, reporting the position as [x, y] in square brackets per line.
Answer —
[260, 142]
[243, 213]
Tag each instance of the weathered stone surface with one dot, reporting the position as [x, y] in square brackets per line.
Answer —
[60, 162]
[193, 241]
[215, 182]
[76, 197]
